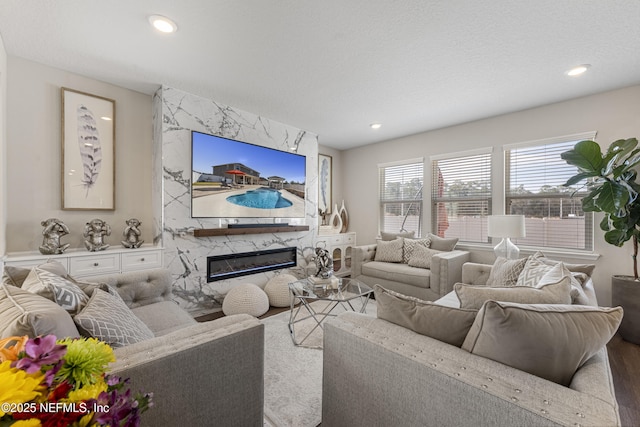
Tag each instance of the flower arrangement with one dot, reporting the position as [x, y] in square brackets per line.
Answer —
[59, 383]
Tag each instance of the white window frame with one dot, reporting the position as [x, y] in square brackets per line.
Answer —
[419, 200]
[588, 217]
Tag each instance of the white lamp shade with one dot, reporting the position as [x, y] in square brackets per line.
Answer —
[506, 226]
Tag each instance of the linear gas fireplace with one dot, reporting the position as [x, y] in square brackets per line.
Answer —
[235, 265]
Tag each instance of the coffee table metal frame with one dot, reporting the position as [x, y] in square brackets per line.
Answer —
[306, 292]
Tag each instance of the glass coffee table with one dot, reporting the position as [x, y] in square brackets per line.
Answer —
[349, 294]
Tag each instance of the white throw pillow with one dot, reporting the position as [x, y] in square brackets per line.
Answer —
[56, 288]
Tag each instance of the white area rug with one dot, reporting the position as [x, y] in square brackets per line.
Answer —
[293, 375]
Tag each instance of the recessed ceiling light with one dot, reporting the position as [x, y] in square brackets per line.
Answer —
[376, 125]
[576, 71]
[163, 24]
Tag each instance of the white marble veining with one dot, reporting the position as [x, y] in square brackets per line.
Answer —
[176, 114]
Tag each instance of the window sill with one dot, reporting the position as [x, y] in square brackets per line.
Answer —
[527, 250]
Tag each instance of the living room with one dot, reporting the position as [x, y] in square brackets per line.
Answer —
[149, 168]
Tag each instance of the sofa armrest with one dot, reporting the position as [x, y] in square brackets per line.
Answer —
[475, 274]
[361, 255]
[446, 270]
[211, 369]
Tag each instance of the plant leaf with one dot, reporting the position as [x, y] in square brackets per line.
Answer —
[89, 145]
[586, 156]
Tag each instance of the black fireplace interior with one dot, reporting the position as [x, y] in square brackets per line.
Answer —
[222, 267]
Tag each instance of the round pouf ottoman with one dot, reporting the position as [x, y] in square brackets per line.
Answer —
[277, 289]
[245, 299]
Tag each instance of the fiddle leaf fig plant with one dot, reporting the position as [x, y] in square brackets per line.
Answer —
[611, 187]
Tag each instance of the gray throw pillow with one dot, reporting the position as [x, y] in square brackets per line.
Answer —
[14, 276]
[410, 245]
[505, 272]
[386, 236]
[446, 324]
[389, 251]
[422, 257]
[55, 288]
[442, 244]
[108, 319]
[25, 313]
[553, 288]
[549, 341]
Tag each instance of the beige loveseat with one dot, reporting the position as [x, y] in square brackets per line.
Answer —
[379, 373]
[200, 374]
[445, 268]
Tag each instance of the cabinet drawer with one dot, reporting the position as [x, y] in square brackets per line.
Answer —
[141, 260]
[98, 264]
[30, 263]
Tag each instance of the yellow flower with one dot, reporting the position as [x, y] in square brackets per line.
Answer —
[88, 392]
[33, 422]
[84, 421]
[16, 386]
[11, 353]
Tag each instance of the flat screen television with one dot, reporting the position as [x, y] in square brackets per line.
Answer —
[235, 179]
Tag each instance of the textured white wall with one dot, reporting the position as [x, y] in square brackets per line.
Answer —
[34, 156]
[613, 114]
[184, 254]
[3, 147]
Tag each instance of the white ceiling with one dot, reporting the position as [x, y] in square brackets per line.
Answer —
[333, 67]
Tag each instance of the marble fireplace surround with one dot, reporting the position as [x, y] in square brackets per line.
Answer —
[176, 114]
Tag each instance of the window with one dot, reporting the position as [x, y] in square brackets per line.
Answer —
[401, 196]
[461, 195]
[535, 174]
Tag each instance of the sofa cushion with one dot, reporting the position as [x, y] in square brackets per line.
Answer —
[172, 318]
[397, 272]
[549, 341]
[505, 272]
[410, 245]
[55, 287]
[25, 313]
[553, 288]
[535, 269]
[421, 257]
[389, 251]
[386, 236]
[445, 324]
[442, 244]
[108, 319]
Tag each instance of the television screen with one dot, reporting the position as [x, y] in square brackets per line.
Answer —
[234, 179]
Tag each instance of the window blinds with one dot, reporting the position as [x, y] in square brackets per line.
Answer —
[401, 196]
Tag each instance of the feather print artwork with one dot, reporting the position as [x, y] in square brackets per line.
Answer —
[89, 144]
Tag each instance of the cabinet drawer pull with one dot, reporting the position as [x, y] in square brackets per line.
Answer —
[141, 259]
[95, 264]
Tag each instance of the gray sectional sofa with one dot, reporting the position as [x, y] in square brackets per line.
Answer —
[200, 374]
[380, 373]
[424, 283]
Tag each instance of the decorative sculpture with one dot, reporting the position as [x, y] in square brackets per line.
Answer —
[132, 234]
[324, 264]
[94, 233]
[54, 229]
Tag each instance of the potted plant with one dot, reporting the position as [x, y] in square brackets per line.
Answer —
[610, 179]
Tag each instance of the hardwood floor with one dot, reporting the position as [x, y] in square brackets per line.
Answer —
[624, 358]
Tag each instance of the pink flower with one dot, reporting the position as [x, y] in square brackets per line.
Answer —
[40, 351]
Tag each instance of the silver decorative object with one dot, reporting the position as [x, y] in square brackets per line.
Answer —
[94, 233]
[54, 229]
[132, 234]
[324, 264]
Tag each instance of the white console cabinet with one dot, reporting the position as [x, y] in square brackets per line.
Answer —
[340, 246]
[81, 263]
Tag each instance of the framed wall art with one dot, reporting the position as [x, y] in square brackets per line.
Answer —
[324, 183]
[88, 151]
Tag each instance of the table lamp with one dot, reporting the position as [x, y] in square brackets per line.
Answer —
[506, 226]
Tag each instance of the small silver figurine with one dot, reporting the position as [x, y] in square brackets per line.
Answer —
[54, 229]
[324, 264]
[132, 234]
[94, 233]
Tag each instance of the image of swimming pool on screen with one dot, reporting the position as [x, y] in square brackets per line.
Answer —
[234, 179]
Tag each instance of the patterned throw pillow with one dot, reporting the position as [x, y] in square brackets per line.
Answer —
[421, 257]
[55, 288]
[505, 272]
[389, 251]
[108, 319]
[410, 245]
